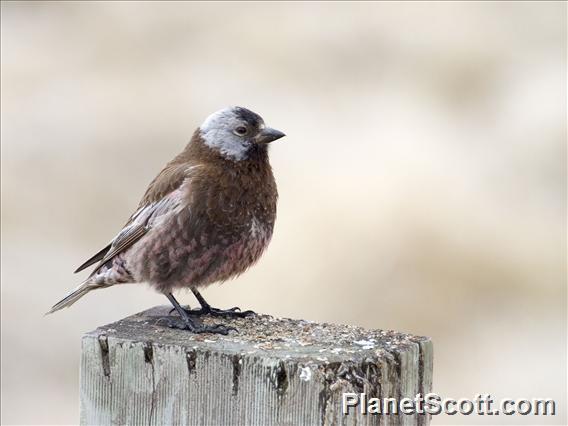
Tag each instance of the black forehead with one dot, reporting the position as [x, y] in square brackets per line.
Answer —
[247, 115]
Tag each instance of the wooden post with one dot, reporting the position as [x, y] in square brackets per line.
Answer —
[272, 372]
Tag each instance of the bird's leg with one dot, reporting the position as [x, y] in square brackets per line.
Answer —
[207, 309]
[191, 324]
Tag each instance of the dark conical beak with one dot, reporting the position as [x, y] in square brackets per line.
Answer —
[268, 135]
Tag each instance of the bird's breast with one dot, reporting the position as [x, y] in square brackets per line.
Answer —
[248, 245]
[223, 230]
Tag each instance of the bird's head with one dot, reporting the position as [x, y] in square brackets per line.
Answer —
[235, 132]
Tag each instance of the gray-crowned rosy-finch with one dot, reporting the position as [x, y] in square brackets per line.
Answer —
[206, 217]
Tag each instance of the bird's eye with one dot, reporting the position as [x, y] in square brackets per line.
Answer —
[241, 130]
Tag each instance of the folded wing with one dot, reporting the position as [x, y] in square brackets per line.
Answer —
[139, 224]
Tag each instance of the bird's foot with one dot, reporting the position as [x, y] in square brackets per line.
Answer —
[197, 327]
[215, 312]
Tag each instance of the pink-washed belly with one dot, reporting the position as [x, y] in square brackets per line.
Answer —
[239, 256]
[170, 261]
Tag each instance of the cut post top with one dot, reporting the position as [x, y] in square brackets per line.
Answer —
[273, 371]
[266, 336]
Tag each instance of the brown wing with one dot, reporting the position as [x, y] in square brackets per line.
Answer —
[141, 222]
[169, 179]
[125, 239]
[156, 197]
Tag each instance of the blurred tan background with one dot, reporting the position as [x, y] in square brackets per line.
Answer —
[422, 182]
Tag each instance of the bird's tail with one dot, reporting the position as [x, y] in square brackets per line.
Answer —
[75, 295]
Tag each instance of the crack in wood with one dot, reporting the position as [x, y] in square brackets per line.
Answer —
[103, 344]
[237, 367]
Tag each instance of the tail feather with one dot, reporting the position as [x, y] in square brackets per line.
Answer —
[75, 295]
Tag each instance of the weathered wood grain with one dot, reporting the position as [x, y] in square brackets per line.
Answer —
[273, 372]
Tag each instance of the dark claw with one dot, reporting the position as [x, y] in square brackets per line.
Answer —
[198, 328]
[224, 313]
[244, 314]
[228, 313]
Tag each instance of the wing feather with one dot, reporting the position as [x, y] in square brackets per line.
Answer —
[122, 242]
[94, 259]
[162, 197]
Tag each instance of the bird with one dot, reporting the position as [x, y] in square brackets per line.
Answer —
[206, 217]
